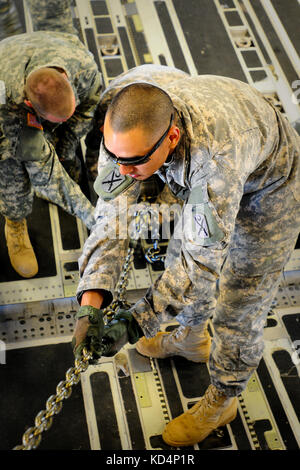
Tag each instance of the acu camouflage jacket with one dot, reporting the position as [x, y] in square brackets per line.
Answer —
[233, 142]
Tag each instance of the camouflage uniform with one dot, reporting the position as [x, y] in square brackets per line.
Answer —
[9, 19]
[237, 163]
[31, 149]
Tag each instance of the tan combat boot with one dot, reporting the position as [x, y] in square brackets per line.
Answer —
[20, 250]
[213, 410]
[193, 343]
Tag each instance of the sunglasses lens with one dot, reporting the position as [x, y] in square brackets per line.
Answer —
[127, 161]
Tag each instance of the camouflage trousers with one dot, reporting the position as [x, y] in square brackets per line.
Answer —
[9, 19]
[19, 179]
[45, 15]
[51, 15]
[265, 234]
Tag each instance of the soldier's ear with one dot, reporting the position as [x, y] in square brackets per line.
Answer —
[174, 136]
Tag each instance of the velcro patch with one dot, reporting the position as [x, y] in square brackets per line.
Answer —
[110, 183]
[201, 226]
[204, 227]
[33, 122]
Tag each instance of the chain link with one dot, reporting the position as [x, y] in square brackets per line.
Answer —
[43, 421]
[147, 219]
[32, 437]
[154, 254]
[120, 299]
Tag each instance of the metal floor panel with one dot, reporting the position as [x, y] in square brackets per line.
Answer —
[155, 392]
[124, 402]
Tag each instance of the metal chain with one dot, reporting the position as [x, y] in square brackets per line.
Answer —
[142, 223]
[120, 298]
[43, 421]
[146, 220]
[153, 253]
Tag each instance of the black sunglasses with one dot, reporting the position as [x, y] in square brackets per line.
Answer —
[137, 160]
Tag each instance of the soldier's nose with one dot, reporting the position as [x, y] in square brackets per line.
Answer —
[125, 170]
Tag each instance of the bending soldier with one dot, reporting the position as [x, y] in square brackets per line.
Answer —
[49, 87]
[234, 160]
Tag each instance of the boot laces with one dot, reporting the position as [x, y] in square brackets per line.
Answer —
[208, 401]
[211, 396]
[17, 233]
[179, 332]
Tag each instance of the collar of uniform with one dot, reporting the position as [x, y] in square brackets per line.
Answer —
[177, 167]
[169, 160]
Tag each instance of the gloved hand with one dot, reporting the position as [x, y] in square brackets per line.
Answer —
[119, 331]
[88, 331]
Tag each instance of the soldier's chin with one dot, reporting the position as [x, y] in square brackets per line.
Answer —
[145, 176]
[141, 177]
[135, 176]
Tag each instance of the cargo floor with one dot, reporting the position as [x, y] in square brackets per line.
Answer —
[124, 402]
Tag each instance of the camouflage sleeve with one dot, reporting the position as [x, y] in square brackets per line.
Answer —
[80, 123]
[105, 250]
[9, 131]
[186, 289]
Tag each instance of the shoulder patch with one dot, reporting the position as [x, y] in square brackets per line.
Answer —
[110, 183]
[2, 92]
[201, 225]
[204, 226]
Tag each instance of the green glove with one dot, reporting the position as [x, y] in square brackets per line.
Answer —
[134, 330]
[121, 330]
[89, 332]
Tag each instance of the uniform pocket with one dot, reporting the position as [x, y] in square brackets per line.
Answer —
[31, 145]
[251, 355]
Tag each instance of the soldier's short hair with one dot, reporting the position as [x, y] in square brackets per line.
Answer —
[50, 92]
[140, 105]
